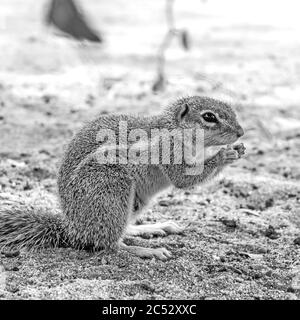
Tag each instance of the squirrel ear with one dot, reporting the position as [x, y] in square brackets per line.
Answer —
[184, 110]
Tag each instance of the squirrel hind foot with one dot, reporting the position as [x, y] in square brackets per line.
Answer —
[157, 229]
[147, 253]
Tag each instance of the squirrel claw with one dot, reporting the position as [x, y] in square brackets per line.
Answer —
[228, 155]
[232, 153]
[153, 233]
[161, 253]
[147, 253]
[240, 148]
[171, 227]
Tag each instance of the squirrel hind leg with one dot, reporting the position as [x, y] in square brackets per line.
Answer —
[148, 253]
[105, 226]
[98, 218]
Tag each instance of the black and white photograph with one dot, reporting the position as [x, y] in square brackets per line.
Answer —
[149, 150]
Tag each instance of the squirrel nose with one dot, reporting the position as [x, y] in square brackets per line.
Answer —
[240, 132]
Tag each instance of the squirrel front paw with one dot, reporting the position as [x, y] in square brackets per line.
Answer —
[240, 148]
[231, 153]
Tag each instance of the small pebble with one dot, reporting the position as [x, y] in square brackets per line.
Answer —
[297, 241]
[229, 223]
[13, 289]
[11, 254]
[271, 233]
[269, 273]
[164, 203]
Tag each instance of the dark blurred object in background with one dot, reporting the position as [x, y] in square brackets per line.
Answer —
[65, 15]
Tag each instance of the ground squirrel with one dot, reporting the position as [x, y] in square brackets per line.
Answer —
[101, 201]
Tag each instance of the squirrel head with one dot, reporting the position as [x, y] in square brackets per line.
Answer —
[216, 118]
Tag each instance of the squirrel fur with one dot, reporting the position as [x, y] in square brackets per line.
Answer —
[100, 202]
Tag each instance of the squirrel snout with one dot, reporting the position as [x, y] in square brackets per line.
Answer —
[240, 132]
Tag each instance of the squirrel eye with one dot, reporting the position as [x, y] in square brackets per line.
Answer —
[209, 117]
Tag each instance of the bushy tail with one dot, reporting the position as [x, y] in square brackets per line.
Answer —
[26, 226]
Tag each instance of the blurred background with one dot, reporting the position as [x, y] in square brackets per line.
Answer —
[245, 51]
[64, 62]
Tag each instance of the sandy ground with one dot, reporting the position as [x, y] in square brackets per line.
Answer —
[242, 239]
